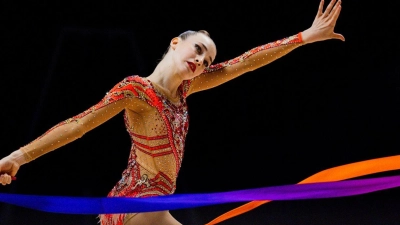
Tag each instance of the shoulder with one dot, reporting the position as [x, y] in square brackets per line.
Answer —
[135, 79]
[139, 87]
[133, 82]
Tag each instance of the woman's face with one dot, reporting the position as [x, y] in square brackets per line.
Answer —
[193, 55]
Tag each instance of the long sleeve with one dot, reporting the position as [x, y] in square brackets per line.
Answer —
[255, 58]
[121, 96]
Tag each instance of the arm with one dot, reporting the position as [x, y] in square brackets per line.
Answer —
[321, 29]
[73, 128]
[253, 59]
[121, 96]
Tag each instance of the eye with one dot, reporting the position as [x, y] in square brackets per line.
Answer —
[198, 49]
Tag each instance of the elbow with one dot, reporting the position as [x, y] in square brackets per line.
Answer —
[80, 131]
[76, 131]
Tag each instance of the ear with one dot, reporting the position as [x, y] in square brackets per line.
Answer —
[174, 42]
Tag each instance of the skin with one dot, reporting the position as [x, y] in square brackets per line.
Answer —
[173, 69]
[198, 49]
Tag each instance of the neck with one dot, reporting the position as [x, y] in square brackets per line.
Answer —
[166, 80]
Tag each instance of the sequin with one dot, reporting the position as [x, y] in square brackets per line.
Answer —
[157, 127]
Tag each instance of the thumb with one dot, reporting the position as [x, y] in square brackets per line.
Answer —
[14, 170]
[338, 36]
[13, 173]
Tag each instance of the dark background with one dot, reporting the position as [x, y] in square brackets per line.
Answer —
[323, 105]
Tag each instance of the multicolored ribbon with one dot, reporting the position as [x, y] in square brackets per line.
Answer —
[338, 173]
[111, 205]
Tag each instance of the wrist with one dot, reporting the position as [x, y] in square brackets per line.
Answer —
[18, 156]
[305, 36]
[309, 36]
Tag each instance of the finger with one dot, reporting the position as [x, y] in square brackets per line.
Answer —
[320, 8]
[336, 13]
[335, 16]
[3, 179]
[329, 8]
[8, 179]
[335, 8]
[12, 175]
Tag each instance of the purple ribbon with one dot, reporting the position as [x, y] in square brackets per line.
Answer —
[111, 205]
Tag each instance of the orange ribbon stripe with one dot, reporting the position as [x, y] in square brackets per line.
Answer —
[338, 173]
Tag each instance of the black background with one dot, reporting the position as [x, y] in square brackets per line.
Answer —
[323, 105]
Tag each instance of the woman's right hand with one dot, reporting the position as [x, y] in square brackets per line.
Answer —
[9, 166]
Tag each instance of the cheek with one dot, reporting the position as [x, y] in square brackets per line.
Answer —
[188, 53]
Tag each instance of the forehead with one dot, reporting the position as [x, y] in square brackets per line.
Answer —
[204, 40]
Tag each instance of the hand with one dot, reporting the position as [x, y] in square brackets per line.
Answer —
[324, 23]
[8, 168]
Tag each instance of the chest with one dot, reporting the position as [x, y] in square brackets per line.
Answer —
[158, 120]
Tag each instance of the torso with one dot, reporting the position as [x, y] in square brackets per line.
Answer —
[158, 129]
[158, 133]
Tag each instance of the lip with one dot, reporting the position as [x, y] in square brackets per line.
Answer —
[192, 66]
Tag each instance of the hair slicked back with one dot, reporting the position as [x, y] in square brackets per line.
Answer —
[187, 34]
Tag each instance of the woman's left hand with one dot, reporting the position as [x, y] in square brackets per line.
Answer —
[324, 23]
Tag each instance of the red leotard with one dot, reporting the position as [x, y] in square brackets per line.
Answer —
[156, 125]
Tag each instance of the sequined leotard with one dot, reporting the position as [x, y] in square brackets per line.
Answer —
[157, 126]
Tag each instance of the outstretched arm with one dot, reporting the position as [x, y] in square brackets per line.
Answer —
[321, 29]
[120, 97]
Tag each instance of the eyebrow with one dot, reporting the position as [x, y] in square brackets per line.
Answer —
[207, 50]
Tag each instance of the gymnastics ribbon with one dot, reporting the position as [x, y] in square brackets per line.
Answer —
[338, 173]
[111, 205]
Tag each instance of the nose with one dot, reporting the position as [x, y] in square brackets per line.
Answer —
[199, 62]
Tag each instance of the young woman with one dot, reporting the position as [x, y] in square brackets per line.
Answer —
[156, 114]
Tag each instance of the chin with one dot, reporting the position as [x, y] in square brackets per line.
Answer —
[188, 75]
[191, 76]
